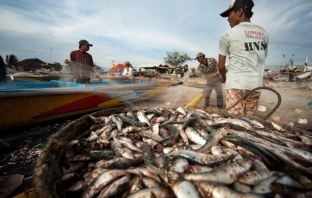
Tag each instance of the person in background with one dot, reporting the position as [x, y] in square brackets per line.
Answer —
[246, 45]
[81, 63]
[156, 73]
[2, 71]
[185, 68]
[193, 74]
[128, 71]
[208, 69]
[140, 72]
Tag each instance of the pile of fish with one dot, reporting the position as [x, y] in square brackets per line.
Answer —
[187, 153]
[25, 155]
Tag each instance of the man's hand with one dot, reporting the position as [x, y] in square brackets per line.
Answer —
[221, 79]
[221, 68]
[96, 74]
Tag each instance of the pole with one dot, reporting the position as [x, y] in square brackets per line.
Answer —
[195, 101]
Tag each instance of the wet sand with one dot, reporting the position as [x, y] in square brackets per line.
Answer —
[293, 98]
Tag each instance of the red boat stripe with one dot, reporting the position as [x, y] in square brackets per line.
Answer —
[84, 103]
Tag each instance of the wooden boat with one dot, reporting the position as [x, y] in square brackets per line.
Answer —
[25, 102]
[39, 77]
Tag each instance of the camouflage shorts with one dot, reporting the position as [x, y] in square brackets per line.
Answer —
[246, 107]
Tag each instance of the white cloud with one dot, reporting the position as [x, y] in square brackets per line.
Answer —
[138, 31]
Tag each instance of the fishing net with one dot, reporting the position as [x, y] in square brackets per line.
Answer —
[47, 174]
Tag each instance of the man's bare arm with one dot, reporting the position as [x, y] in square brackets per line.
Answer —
[221, 67]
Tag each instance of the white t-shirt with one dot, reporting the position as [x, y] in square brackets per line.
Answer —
[247, 47]
[125, 72]
[128, 72]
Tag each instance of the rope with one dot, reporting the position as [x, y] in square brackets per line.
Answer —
[268, 88]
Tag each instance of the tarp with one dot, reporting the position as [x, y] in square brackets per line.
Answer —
[117, 67]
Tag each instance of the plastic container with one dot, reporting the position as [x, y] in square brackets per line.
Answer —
[302, 121]
[262, 108]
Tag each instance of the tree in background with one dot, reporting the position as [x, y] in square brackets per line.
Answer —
[11, 60]
[97, 68]
[57, 66]
[177, 58]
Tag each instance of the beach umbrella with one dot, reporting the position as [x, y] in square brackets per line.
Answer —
[118, 67]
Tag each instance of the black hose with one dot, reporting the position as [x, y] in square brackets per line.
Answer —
[268, 88]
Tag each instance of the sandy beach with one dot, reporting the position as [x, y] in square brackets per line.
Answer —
[294, 104]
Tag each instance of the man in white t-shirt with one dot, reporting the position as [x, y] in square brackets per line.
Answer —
[128, 71]
[246, 45]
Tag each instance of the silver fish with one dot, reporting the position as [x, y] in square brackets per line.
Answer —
[149, 182]
[185, 189]
[241, 187]
[201, 158]
[155, 128]
[117, 121]
[96, 173]
[197, 169]
[254, 177]
[158, 191]
[116, 187]
[214, 139]
[218, 191]
[78, 186]
[277, 127]
[194, 136]
[102, 181]
[219, 174]
[181, 110]
[137, 185]
[127, 153]
[263, 187]
[142, 117]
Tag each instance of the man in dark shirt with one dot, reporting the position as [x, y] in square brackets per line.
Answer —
[81, 63]
[2, 71]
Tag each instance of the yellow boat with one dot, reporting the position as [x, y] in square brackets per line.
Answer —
[25, 102]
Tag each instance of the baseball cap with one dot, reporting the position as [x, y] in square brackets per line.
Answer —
[199, 54]
[84, 42]
[127, 63]
[248, 4]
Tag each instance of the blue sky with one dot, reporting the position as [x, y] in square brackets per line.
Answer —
[142, 31]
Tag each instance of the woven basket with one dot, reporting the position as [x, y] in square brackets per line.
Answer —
[47, 173]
